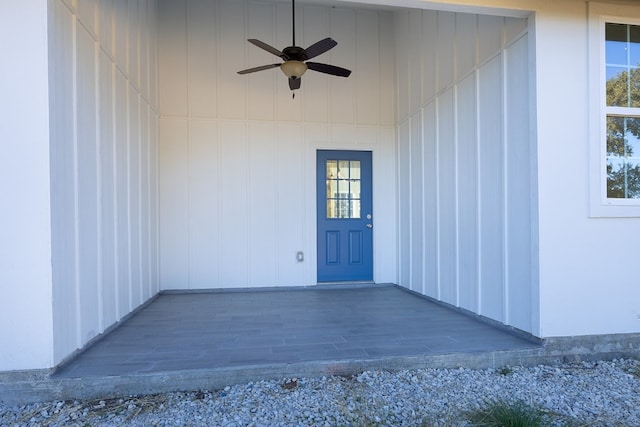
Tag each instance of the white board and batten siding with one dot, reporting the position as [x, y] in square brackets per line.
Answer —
[104, 165]
[237, 153]
[465, 205]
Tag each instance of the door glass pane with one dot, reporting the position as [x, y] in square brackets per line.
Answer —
[355, 189]
[332, 169]
[355, 209]
[354, 171]
[343, 188]
[332, 209]
[332, 188]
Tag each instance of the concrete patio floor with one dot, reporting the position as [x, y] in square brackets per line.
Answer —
[207, 340]
[226, 329]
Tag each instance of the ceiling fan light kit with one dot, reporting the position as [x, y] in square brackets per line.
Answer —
[295, 58]
[293, 69]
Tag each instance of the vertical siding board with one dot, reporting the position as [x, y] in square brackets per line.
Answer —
[489, 36]
[467, 193]
[415, 60]
[172, 64]
[404, 195]
[287, 109]
[342, 90]
[105, 14]
[465, 44]
[428, 54]
[133, 43]
[122, 193]
[518, 186]
[134, 197]
[121, 29]
[87, 15]
[154, 253]
[365, 73]
[202, 58]
[234, 267]
[417, 207]
[385, 205]
[401, 24]
[446, 49]
[315, 26]
[290, 201]
[430, 188]
[262, 212]
[514, 28]
[143, 48]
[447, 198]
[107, 191]
[491, 185]
[63, 184]
[261, 84]
[174, 202]
[87, 192]
[386, 98]
[204, 205]
[144, 202]
[153, 25]
[231, 50]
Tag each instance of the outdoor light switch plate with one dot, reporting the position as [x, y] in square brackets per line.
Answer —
[300, 256]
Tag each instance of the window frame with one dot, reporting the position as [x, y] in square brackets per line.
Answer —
[599, 15]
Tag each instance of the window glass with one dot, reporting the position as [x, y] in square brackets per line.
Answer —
[343, 188]
[623, 157]
[622, 65]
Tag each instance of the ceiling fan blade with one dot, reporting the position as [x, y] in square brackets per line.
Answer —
[329, 69]
[320, 47]
[268, 48]
[294, 83]
[260, 68]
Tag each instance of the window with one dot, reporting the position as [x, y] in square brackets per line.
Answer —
[343, 188]
[614, 52]
[622, 86]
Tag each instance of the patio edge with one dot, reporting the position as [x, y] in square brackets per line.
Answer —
[22, 387]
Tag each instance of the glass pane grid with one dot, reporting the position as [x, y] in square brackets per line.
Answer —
[343, 188]
[622, 57]
[623, 157]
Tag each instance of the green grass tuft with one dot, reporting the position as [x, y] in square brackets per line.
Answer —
[505, 414]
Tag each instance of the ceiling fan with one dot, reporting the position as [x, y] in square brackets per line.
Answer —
[296, 58]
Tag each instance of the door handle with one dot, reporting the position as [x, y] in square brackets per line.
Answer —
[369, 225]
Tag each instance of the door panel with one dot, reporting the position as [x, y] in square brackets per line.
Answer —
[345, 227]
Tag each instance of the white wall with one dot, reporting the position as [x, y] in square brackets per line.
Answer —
[237, 153]
[103, 164]
[26, 332]
[589, 282]
[466, 183]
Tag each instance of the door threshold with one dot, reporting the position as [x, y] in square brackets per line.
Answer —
[348, 284]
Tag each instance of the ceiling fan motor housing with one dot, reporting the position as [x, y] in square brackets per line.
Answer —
[294, 53]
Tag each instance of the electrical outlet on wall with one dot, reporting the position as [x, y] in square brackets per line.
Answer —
[299, 256]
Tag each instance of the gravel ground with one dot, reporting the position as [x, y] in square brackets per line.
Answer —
[579, 394]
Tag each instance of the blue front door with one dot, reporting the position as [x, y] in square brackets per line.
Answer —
[345, 227]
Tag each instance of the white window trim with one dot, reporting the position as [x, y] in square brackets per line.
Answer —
[600, 205]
